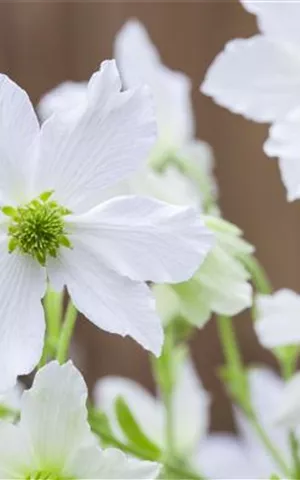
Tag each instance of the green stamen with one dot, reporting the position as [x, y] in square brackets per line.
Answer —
[46, 476]
[37, 228]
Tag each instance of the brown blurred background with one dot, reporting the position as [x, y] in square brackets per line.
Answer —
[43, 43]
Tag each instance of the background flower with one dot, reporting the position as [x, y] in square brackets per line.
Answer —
[53, 437]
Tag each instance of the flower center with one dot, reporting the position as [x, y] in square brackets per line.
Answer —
[37, 228]
[46, 476]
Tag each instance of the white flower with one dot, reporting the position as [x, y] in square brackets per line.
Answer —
[51, 180]
[190, 407]
[221, 285]
[244, 456]
[259, 77]
[278, 319]
[53, 438]
[288, 408]
[139, 63]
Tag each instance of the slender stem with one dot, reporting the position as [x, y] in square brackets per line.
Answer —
[229, 342]
[239, 386]
[163, 373]
[53, 303]
[66, 333]
[258, 274]
[294, 446]
[270, 447]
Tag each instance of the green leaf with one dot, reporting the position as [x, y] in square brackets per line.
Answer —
[132, 430]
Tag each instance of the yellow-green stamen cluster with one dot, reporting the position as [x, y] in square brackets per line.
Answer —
[37, 228]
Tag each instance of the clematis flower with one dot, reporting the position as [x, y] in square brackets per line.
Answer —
[190, 408]
[140, 64]
[259, 77]
[221, 285]
[53, 438]
[277, 323]
[244, 456]
[54, 226]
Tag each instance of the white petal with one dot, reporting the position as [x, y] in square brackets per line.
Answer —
[279, 20]
[255, 77]
[169, 186]
[147, 410]
[15, 454]
[190, 404]
[288, 408]
[283, 142]
[145, 239]
[278, 322]
[18, 134]
[107, 143]
[140, 64]
[22, 324]
[111, 463]
[54, 416]
[63, 98]
[12, 397]
[110, 301]
[224, 456]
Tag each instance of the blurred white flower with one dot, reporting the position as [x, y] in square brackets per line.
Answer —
[53, 226]
[221, 285]
[53, 438]
[190, 408]
[140, 64]
[278, 319]
[259, 77]
[244, 456]
[288, 408]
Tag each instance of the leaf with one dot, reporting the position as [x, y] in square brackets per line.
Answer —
[133, 431]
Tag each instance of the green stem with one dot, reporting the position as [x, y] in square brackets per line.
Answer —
[53, 305]
[229, 343]
[238, 383]
[294, 446]
[270, 447]
[164, 375]
[66, 333]
[259, 277]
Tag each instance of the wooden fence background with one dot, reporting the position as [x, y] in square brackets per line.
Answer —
[43, 43]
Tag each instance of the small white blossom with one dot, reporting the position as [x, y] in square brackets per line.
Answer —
[54, 225]
[53, 438]
[278, 319]
[259, 77]
[190, 408]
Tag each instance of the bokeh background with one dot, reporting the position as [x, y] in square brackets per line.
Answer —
[43, 43]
